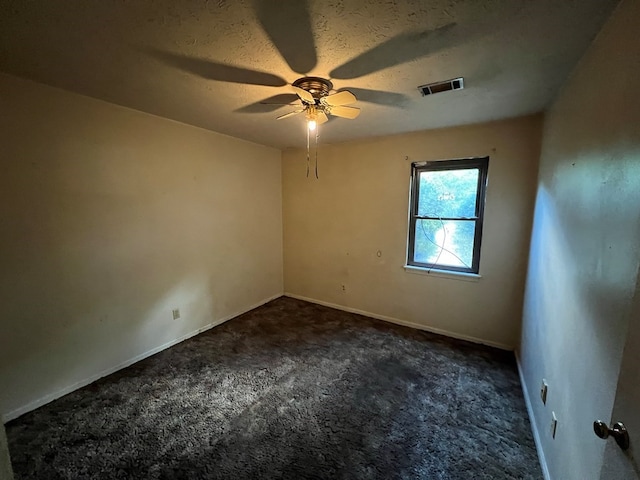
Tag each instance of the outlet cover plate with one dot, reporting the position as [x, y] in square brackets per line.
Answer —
[544, 389]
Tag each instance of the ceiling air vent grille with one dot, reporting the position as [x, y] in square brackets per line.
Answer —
[432, 88]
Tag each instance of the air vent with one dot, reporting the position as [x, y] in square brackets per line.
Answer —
[432, 88]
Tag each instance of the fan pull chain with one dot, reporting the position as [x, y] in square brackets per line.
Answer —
[307, 153]
[317, 153]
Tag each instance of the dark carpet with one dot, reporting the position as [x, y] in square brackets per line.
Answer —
[291, 390]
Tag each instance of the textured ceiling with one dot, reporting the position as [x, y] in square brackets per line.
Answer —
[210, 63]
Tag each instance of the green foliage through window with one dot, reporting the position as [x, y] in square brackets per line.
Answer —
[446, 214]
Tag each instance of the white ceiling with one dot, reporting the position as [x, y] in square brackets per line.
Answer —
[181, 59]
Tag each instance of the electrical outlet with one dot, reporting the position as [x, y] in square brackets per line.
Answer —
[543, 391]
[344, 287]
[176, 313]
[554, 424]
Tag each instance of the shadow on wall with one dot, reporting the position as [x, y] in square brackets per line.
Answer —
[552, 253]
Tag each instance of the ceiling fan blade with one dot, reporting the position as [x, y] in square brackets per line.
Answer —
[304, 95]
[397, 50]
[290, 114]
[217, 71]
[341, 98]
[287, 23]
[321, 118]
[381, 97]
[345, 112]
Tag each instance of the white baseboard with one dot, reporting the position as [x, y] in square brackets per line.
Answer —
[405, 323]
[532, 420]
[55, 395]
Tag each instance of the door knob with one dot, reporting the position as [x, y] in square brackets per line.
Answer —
[618, 432]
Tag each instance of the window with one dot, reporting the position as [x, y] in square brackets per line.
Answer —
[445, 217]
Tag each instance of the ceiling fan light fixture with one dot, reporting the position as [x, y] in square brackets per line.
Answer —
[312, 118]
[316, 101]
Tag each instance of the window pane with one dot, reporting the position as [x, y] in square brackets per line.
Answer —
[448, 243]
[448, 193]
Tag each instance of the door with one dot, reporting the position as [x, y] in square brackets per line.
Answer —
[619, 464]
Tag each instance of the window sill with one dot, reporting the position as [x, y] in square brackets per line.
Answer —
[434, 272]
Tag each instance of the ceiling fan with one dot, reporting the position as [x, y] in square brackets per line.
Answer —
[316, 101]
[291, 32]
[290, 29]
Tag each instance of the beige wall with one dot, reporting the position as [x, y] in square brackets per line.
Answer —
[585, 248]
[111, 218]
[6, 472]
[334, 227]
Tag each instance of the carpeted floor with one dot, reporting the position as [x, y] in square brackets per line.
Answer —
[291, 390]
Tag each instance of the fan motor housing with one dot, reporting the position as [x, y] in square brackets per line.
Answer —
[316, 86]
